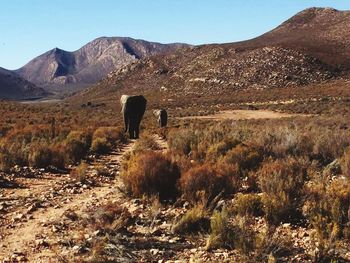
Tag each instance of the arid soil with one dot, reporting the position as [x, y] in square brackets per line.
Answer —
[243, 115]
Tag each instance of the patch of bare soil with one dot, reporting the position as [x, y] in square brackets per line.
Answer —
[244, 115]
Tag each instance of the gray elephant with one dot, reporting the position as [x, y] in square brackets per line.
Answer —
[133, 109]
[162, 117]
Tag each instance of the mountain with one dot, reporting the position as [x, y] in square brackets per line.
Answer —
[13, 86]
[319, 32]
[90, 63]
[311, 47]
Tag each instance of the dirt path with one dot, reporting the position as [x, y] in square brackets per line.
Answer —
[243, 115]
[27, 227]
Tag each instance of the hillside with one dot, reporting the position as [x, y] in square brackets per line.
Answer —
[13, 86]
[311, 47]
[90, 63]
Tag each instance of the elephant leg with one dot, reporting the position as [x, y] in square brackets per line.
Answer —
[131, 129]
[137, 131]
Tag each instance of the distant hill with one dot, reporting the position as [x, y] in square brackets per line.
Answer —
[319, 32]
[14, 87]
[90, 63]
[311, 47]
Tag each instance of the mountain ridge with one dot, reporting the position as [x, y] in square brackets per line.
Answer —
[303, 50]
[91, 62]
[14, 87]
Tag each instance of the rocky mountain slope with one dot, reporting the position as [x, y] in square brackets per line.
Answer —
[91, 62]
[311, 47]
[13, 86]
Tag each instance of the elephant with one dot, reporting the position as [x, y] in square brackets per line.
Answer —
[133, 109]
[162, 117]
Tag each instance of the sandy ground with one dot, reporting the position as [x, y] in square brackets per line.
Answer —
[243, 115]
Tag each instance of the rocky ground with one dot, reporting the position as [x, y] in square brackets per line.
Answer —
[48, 216]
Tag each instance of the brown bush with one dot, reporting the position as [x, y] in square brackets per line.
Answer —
[327, 208]
[282, 182]
[79, 173]
[5, 162]
[40, 155]
[219, 149]
[346, 163]
[209, 180]
[151, 173]
[146, 143]
[329, 145]
[57, 156]
[247, 158]
[106, 138]
[100, 146]
[77, 145]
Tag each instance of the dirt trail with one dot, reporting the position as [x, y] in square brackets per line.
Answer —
[243, 115]
[23, 231]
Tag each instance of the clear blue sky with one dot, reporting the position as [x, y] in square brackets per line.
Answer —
[31, 27]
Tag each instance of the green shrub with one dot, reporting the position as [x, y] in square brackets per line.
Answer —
[225, 234]
[282, 182]
[150, 173]
[247, 205]
[195, 220]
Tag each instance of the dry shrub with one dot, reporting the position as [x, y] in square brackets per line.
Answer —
[146, 143]
[273, 245]
[280, 142]
[345, 164]
[195, 220]
[209, 180]
[79, 174]
[100, 146]
[247, 205]
[247, 158]
[106, 138]
[111, 216]
[219, 149]
[282, 182]
[40, 155]
[227, 234]
[5, 162]
[77, 145]
[151, 173]
[329, 145]
[102, 170]
[57, 156]
[182, 141]
[328, 208]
